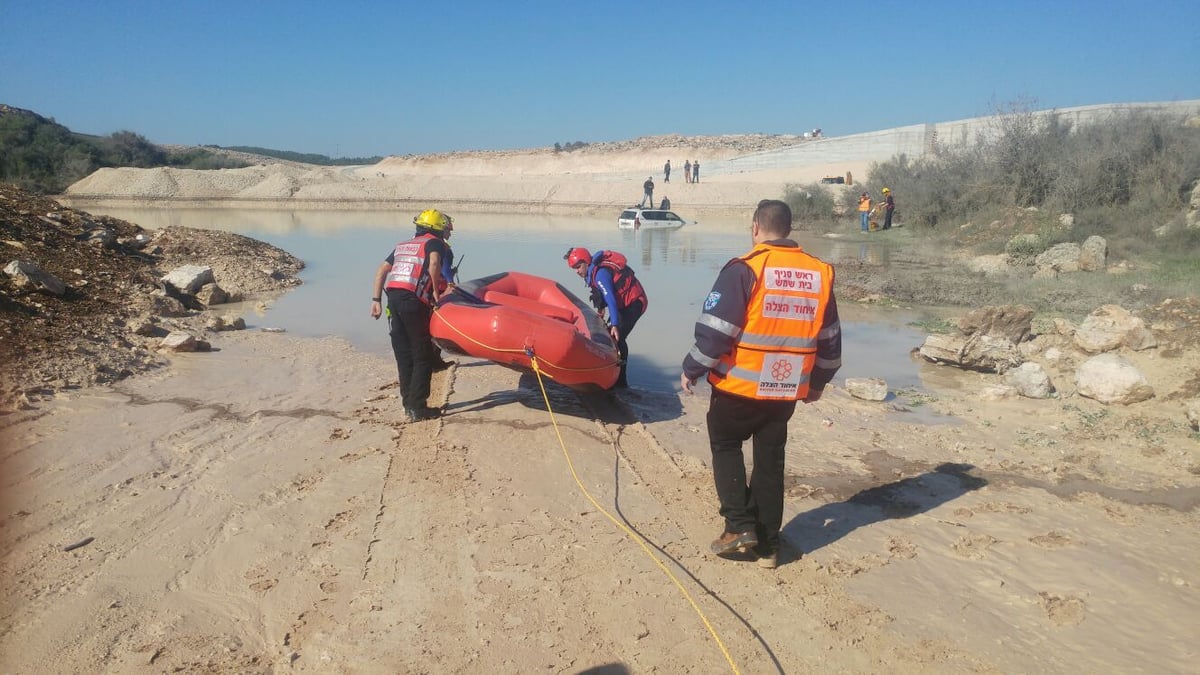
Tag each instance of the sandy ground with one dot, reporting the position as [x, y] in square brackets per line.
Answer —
[261, 509]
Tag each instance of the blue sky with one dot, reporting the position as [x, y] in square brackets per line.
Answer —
[357, 78]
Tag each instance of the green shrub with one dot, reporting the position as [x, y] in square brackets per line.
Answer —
[809, 203]
[1122, 178]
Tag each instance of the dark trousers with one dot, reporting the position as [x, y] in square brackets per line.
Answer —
[629, 318]
[887, 219]
[757, 505]
[408, 325]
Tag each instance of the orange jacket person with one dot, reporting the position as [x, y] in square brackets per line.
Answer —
[864, 212]
[768, 336]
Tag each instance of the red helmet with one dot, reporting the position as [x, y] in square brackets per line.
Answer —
[576, 256]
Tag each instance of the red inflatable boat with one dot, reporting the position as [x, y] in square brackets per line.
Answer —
[506, 316]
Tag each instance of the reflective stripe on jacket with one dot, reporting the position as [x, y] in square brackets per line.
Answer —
[777, 348]
[408, 267]
[864, 204]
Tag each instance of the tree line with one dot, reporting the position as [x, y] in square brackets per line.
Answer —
[43, 156]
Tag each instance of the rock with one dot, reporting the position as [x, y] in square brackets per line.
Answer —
[212, 294]
[165, 305]
[1064, 328]
[1193, 414]
[1109, 378]
[867, 388]
[100, 236]
[991, 265]
[1060, 258]
[179, 341]
[1009, 321]
[1093, 255]
[1110, 327]
[997, 392]
[224, 323]
[189, 278]
[147, 326]
[1067, 220]
[25, 273]
[979, 352]
[1030, 381]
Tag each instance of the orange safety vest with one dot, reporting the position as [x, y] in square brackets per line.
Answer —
[408, 268]
[864, 203]
[776, 351]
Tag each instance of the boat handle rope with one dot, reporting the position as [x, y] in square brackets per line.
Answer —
[525, 350]
[640, 539]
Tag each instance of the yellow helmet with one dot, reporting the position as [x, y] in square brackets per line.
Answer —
[885, 191]
[431, 219]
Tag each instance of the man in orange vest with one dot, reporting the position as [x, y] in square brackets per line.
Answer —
[412, 275]
[864, 212]
[768, 336]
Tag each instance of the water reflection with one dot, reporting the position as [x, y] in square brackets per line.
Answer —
[342, 249]
[869, 252]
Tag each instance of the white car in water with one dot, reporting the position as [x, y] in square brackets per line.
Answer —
[649, 219]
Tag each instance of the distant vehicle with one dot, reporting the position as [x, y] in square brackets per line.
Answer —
[650, 219]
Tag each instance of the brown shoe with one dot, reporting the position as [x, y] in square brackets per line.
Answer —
[729, 542]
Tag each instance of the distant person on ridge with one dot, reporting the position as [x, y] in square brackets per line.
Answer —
[696, 171]
[889, 205]
[687, 170]
[667, 172]
[647, 192]
[412, 278]
[615, 291]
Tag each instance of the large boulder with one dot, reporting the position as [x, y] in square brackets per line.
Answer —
[1059, 258]
[1109, 378]
[189, 278]
[25, 273]
[1010, 321]
[994, 354]
[1030, 380]
[1110, 327]
[1093, 255]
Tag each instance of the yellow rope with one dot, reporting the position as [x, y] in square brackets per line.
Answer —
[437, 310]
[628, 532]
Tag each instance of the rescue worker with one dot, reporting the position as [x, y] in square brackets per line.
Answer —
[864, 212]
[615, 292]
[768, 336]
[412, 276]
[889, 205]
[448, 274]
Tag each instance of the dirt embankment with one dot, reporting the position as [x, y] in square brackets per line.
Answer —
[110, 270]
[594, 177]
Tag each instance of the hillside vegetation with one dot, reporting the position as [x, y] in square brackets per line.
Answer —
[1133, 179]
[43, 156]
[302, 157]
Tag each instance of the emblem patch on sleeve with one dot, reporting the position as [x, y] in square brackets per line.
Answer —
[712, 300]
